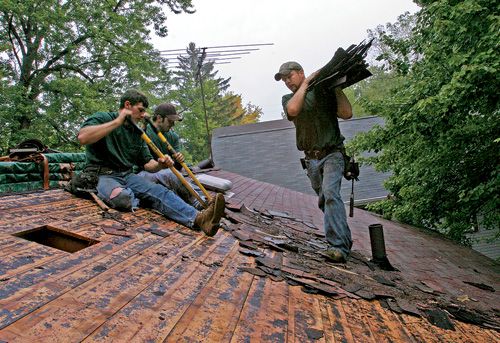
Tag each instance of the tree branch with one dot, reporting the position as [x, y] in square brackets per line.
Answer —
[118, 5]
[61, 134]
[12, 30]
[64, 52]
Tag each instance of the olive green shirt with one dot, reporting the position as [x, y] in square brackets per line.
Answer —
[317, 126]
[120, 150]
[171, 137]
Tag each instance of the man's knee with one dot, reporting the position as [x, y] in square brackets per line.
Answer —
[123, 198]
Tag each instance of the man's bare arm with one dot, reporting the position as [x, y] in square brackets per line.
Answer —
[91, 134]
[295, 104]
[344, 108]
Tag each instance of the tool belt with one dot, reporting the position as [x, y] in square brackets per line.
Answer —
[351, 167]
[100, 170]
[89, 177]
[320, 154]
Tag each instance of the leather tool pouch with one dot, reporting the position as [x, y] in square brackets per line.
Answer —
[351, 168]
[87, 179]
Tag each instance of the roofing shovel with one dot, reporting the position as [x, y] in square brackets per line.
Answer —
[173, 152]
[158, 152]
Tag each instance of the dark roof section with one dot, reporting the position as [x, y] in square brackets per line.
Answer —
[149, 279]
[267, 152]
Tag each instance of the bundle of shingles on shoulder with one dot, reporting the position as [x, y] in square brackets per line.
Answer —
[346, 68]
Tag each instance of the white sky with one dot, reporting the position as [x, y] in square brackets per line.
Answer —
[308, 32]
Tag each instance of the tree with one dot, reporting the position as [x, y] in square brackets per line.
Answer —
[61, 60]
[440, 137]
[241, 115]
[216, 107]
[389, 61]
[369, 96]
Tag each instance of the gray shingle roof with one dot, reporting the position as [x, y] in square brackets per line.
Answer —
[267, 152]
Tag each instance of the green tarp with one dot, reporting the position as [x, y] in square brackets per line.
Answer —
[27, 176]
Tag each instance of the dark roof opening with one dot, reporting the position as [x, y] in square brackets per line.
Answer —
[57, 238]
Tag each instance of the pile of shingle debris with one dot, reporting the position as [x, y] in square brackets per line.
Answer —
[289, 249]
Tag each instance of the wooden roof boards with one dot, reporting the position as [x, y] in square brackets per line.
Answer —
[150, 279]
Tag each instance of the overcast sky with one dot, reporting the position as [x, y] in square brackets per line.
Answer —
[308, 32]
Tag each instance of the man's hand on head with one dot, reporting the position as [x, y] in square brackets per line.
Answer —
[123, 113]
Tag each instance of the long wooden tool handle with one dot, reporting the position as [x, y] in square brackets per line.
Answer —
[99, 202]
[172, 151]
[158, 152]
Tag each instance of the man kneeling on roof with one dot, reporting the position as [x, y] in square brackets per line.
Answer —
[114, 147]
[164, 118]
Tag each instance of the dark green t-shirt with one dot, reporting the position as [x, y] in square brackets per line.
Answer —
[317, 126]
[170, 136]
[120, 150]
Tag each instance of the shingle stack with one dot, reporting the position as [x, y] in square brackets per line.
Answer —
[346, 68]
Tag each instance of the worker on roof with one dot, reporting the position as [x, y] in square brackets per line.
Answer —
[164, 118]
[318, 136]
[114, 147]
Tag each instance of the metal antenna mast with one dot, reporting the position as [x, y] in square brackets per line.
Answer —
[200, 80]
[222, 54]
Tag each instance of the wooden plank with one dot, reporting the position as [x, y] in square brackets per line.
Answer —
[214, 313]
[29, 255]
[164, 302]
[264, 316]
[21, 295]
[475, 333]
[383, 324]
[24, 294]
[421, 329]
[86, 307]
[357, 322]
[338, 322]
[307, 321]
[9, 244]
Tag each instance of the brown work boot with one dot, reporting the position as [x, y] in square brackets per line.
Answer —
[335, 255]
[208, 219]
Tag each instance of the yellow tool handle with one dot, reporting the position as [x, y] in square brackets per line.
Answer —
[158, 152]
[186, 168]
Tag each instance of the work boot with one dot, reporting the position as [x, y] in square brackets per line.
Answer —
[208, 219]
[335, 255]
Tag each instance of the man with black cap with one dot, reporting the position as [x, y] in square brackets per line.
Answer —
[164, 118]
[113, 148]
[318, 135]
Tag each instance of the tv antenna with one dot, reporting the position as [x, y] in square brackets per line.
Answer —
[222, 54]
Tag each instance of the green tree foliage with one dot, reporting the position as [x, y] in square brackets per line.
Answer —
[442, 121]
[223, 108]
[61, 60]
[389, 62]
[368, 97]
[241, 115]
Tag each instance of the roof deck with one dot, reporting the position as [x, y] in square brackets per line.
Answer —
[140, 277]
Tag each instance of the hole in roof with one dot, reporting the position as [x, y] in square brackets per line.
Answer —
[57, 238]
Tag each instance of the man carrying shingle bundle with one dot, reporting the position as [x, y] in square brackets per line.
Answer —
[114, 147]
[314, 113]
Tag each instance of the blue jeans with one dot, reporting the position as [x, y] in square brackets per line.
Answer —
[135, 189]
[326, 176]
[168, 179]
